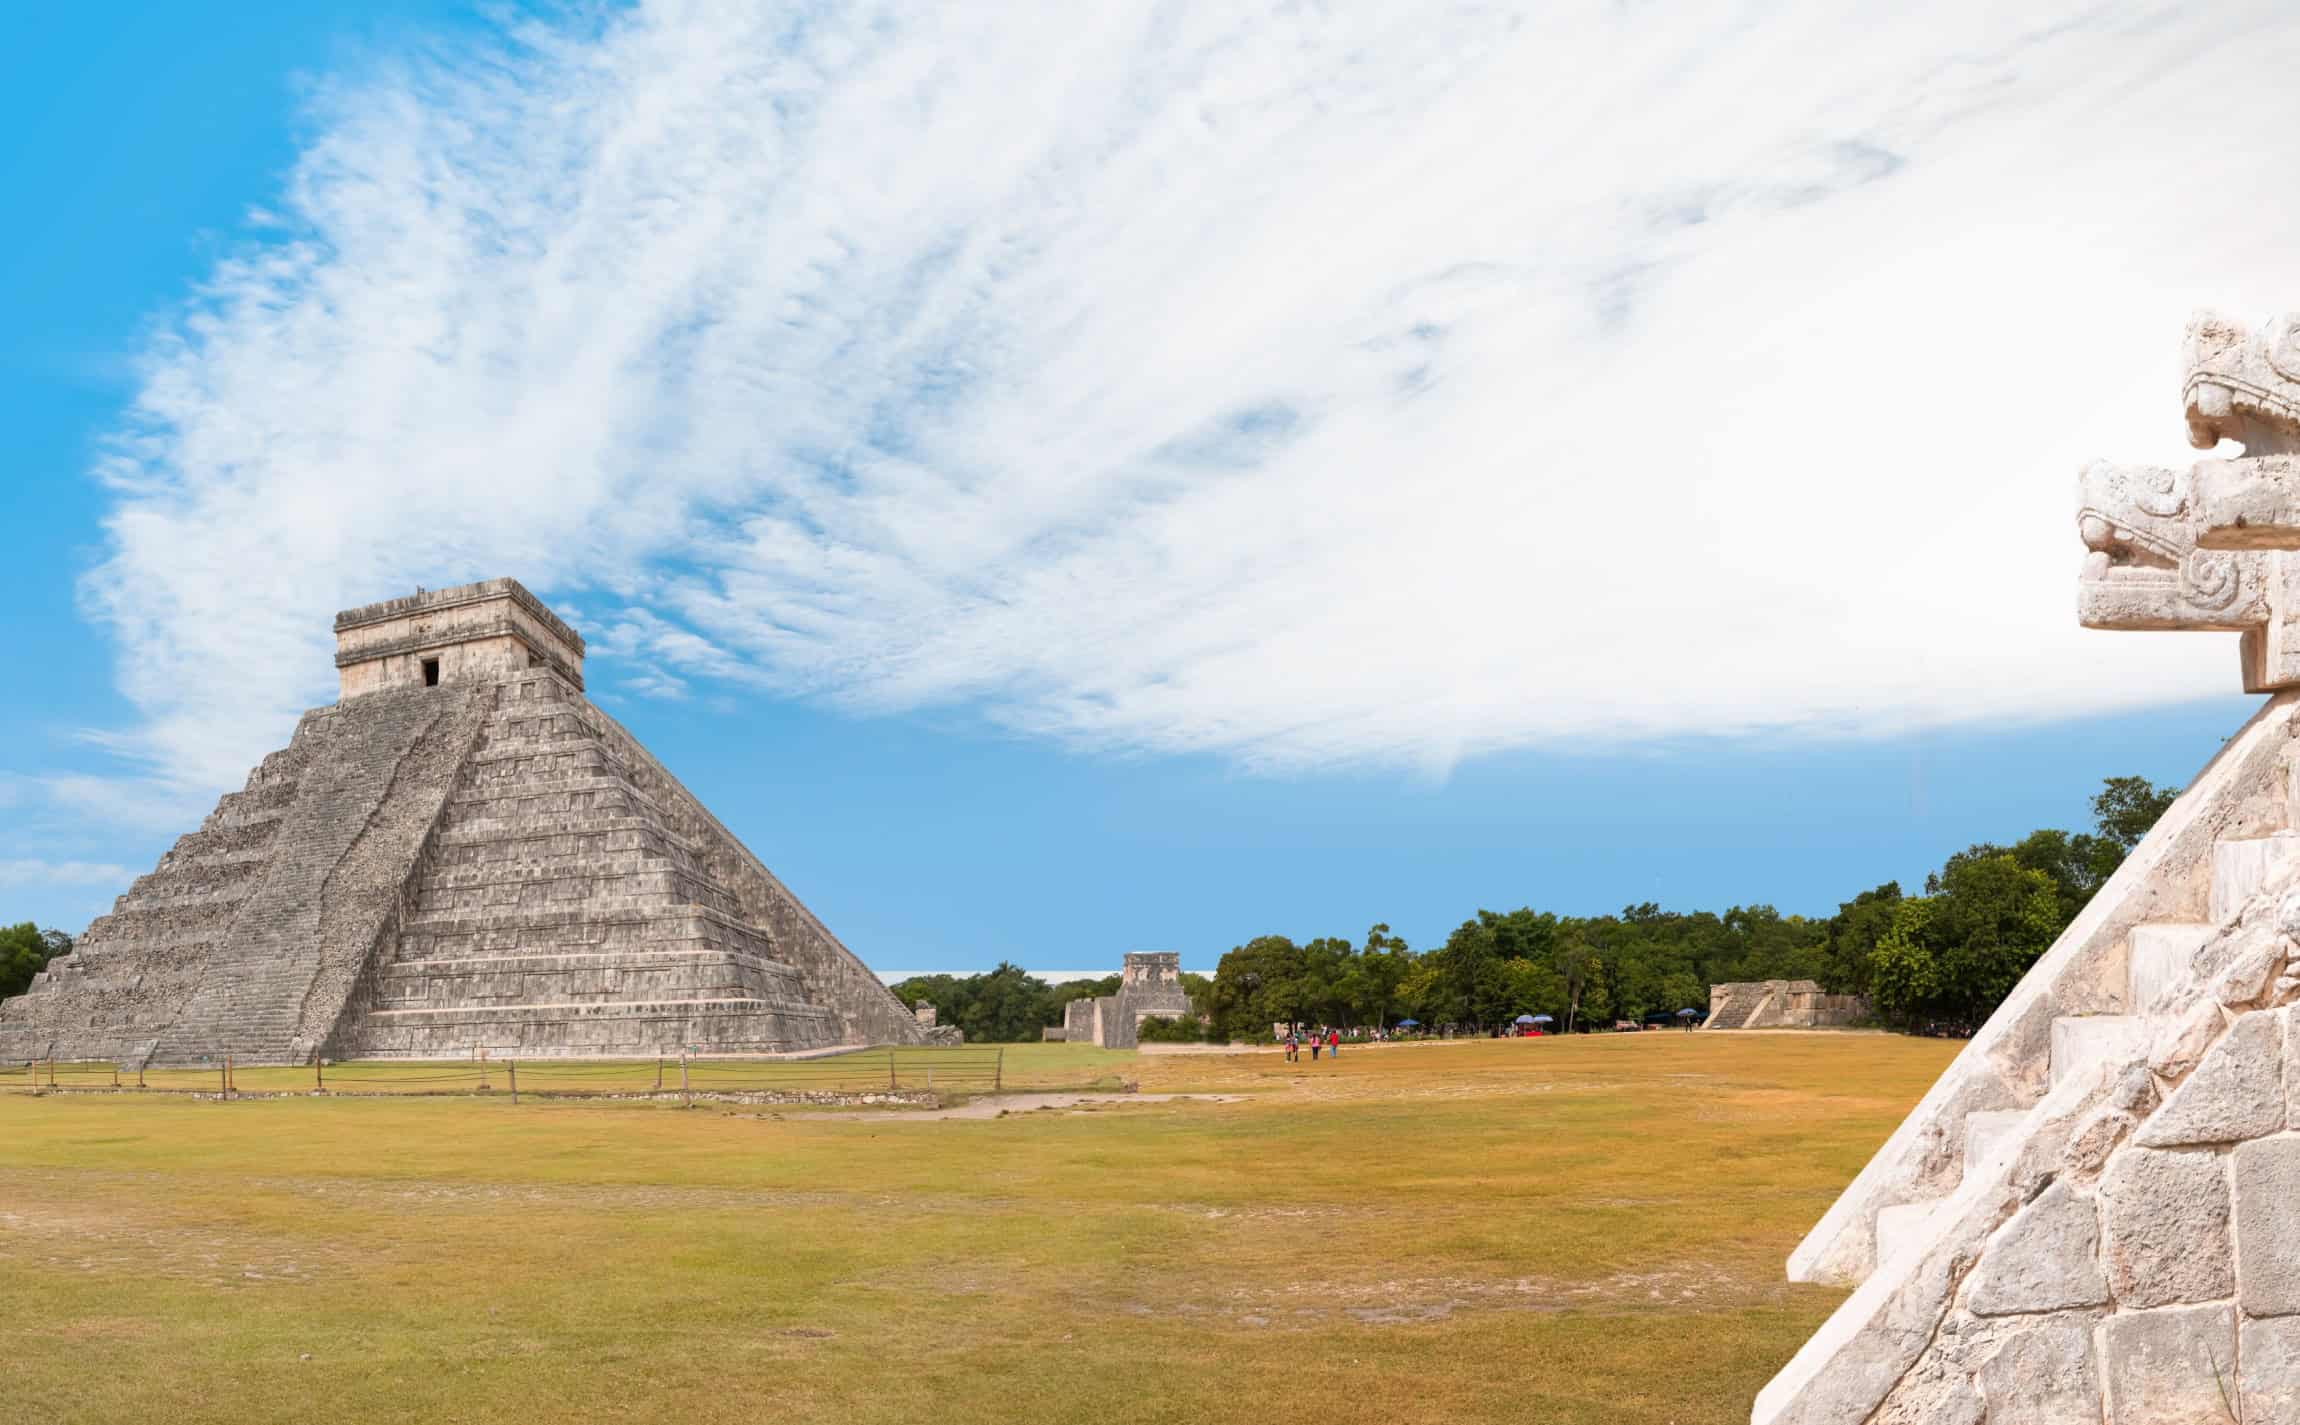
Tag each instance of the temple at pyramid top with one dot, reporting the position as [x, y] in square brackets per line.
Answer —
[461, 854]
[439, 636]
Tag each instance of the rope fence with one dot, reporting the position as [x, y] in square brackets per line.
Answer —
[863, 1071]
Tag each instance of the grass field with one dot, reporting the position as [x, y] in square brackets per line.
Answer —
[1568, 1230]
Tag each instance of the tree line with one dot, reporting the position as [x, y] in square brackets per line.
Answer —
[1943, 959]
[1938, 960]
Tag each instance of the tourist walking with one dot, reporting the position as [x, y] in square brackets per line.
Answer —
[1334, 1043]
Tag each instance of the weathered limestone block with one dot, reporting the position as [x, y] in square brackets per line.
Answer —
[2172, 1366]
[2237, 1091]
[2166, 1238]
[2106, 1126]
[2270, 1355]
[2044, 1373]
[2180, 1045]
[2292, 1068]
[2046, 1259]
[2257, 955]
[2267, 1189]
[1934, 1398]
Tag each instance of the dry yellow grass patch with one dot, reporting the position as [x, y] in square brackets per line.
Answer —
[1568, 1230]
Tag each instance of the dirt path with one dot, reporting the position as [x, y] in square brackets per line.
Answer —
[996, 1105]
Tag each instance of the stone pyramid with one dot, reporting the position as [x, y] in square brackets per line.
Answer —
[2094, 1216]
[463, 853]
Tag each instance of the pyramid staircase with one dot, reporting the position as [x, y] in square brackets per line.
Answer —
[134, 970]
[1736, 1012]
[558, 911]
[2127, 978]
[253, 927]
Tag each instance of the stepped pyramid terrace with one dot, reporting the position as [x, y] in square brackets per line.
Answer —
[2094, 1216]
[462, 854]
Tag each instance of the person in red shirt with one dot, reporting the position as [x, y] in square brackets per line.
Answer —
[1334, 1043]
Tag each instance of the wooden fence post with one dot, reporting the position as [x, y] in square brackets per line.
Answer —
[115, 1075]
[514, 1082]
[890, 1083]
[998, 1070]
[658, 1073]
[686, 1098]
[319, 1074]
[51, 1071]
[227, 1077]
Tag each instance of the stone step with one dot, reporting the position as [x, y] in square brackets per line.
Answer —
[2159, 956]
[560, 824]
[2241, 869]
[575, 960]
[1988, 1131]
[1911, 1223]
[1905, 1226]
[2082, 1042]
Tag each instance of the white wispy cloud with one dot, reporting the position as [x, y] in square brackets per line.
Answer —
[36, 872]
[1302, 384]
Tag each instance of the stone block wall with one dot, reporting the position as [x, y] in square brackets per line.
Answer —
[2136, 1261]
[2241, 793]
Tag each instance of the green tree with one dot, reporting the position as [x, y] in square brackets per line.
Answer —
[2127, 807]
[1257, 984]
[1850, 938]
[1006, 1006]
[1953, 955]
[25, 951]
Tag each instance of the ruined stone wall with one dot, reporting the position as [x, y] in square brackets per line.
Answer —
[1780, 1004]
[1115, 1023]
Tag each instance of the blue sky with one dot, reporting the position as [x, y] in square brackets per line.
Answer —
[1061, 488]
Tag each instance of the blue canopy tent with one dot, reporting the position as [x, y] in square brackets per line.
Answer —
[1525, 1019]
[1542, 1019]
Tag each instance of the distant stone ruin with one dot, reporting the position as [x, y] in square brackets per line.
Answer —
[1150, 985]
[1780, 1004]
[462, 854]
[2094, 1216]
